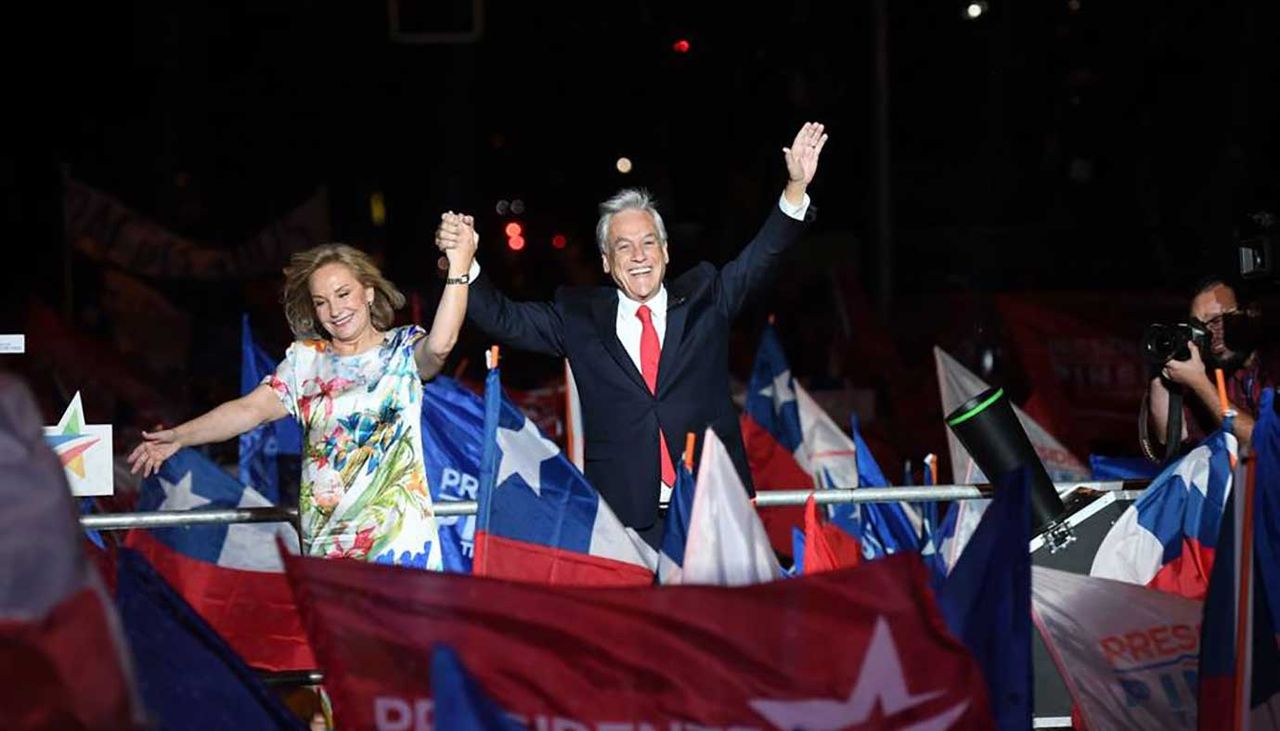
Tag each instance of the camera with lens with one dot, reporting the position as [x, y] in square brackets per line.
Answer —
[1163, 342]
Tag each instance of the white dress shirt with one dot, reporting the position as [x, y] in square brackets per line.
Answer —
[630, 327]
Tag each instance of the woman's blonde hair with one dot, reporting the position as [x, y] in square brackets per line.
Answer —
[298, 308]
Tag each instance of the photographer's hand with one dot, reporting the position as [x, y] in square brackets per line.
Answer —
[1189, 372]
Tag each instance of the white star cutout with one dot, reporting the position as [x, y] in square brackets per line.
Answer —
[180, 496]
[780, 392]
[880, 683]
[523, 453]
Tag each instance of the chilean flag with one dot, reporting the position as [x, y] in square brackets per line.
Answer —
[772, 437]
[230, 574]
[1166, 540]
[539, 519]
[793, 444]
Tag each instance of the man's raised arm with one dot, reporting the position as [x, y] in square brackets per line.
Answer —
[753, 267]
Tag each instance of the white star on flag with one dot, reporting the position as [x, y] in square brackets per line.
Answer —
[180, 496]
[252, 546]
[880, 684]
[523, 452]
[780, 391]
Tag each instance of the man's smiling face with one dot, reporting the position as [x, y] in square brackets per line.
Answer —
[637, 256]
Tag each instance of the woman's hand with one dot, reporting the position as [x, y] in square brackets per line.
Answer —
[457, 238]
[156, 447]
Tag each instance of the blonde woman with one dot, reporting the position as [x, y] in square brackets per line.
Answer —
[354, 383]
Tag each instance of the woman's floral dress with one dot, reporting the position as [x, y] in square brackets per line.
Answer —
[364, 488]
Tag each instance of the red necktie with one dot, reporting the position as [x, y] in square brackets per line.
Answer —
[650, 353]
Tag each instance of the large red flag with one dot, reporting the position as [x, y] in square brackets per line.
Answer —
[862, 647]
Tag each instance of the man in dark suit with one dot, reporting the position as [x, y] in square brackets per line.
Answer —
[651, 361]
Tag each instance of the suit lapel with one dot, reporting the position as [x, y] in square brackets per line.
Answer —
[677, 311]
[604, 310]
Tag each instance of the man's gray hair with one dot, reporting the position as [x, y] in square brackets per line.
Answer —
[627, 199]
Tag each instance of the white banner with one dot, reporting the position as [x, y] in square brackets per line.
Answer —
[1129, 654]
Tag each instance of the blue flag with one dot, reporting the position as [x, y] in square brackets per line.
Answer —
[1226, 698]
[1266, 445]
[869, 472]
[452, 439]
[888, 521]
[1122, 468]
[189, 678]
[882, 528]
[797, 551]
[89, 507]
[986, 601]
[933, 552]
[259, 447]
[460, 703]
[675, 531]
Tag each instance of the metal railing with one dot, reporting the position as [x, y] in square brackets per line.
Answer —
[453, 508]
[179, 518]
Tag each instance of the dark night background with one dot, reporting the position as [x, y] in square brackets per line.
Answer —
[1084, 146]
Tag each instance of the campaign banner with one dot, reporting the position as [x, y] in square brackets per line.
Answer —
[1129, 655]
[840, 649]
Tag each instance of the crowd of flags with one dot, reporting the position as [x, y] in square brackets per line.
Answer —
[932, 606]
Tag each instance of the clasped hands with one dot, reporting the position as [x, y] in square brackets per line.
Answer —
[457, 239]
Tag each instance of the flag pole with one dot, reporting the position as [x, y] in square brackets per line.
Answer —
[1222, 390]
[1244, 596]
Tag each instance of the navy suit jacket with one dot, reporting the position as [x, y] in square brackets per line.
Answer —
[620, 417]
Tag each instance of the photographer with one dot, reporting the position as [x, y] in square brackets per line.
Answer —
[1222, 336]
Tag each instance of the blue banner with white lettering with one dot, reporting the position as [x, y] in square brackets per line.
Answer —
[452, 429]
